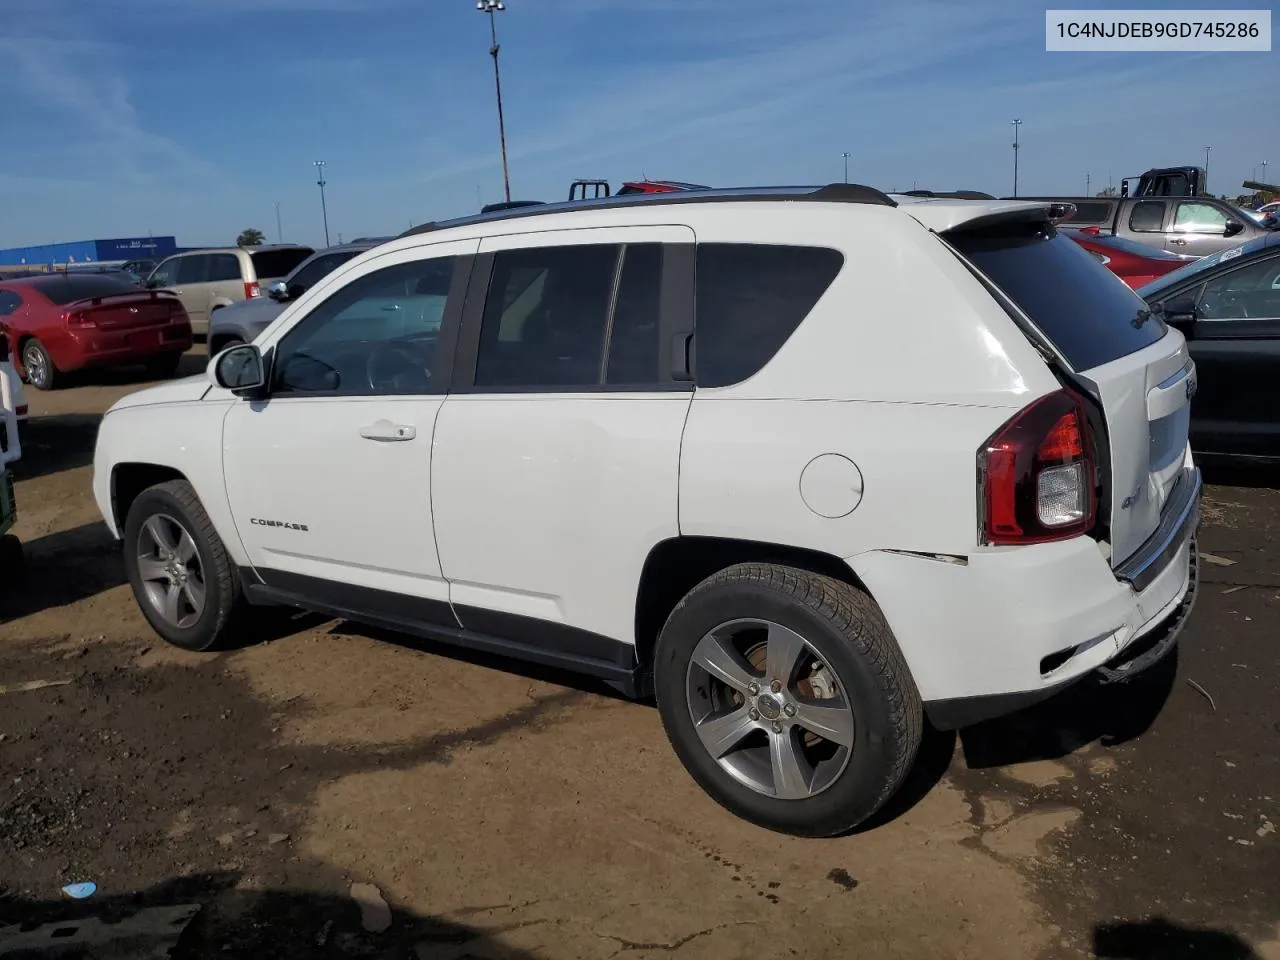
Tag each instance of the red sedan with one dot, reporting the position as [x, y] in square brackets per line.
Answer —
[59, 322]
[1133, 263]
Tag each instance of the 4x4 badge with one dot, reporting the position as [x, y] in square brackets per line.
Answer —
[1191, 387]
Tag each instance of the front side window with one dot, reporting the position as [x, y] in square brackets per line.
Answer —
[750, 299]
[316, 269]
[1200, 218]
[1250, 293]
[165, 275]
[375, 336]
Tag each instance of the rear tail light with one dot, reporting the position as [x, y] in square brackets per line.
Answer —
[1091, 231]
[1037, 476]
[252, 290]
[79, 320]
[22, 410]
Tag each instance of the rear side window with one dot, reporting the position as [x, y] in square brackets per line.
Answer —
[192, 270]
[274, 264]
[1147, 216]
[1069, 296]
[223, 266]
[750, 299]
[9, 302]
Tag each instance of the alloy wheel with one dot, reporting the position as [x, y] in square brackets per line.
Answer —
[171, 571]
[36, 366]
[769, 709]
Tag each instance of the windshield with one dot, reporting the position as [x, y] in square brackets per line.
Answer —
[1195, 267]
[1074, 300]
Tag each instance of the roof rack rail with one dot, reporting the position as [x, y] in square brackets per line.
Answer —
[949, 195]
[831, 193]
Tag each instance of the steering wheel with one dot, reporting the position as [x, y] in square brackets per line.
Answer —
[395, 365]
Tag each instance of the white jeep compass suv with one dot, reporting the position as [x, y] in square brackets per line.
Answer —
[808, 465]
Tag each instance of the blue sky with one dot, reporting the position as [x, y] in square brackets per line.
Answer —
[194, 117]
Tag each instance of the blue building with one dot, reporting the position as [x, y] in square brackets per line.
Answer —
[89, 251]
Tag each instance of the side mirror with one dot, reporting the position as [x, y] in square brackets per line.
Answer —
[1180, 311]
[278, 291]
[239, 369]
[1233, 227]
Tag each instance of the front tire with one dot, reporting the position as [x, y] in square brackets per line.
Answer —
[37, 366]
[182, 578]
[787, 699]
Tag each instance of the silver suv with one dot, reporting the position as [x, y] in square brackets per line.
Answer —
[208, 280]
[242, 322]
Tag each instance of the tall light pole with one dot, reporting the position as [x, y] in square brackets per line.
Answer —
[1087, 188]
[846, 167]
[1206, 170]
[1016, 124]
[324, 211]
[279, 229]
[1263, 164]
[491, 7]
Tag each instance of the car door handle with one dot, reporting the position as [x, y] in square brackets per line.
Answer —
[387, 432]
[1177, 240]
[391, 308]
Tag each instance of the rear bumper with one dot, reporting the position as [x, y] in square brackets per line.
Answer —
[100, 348]
[1013, 626]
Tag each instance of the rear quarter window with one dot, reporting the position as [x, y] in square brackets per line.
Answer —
[750, 299]
[1085, 311]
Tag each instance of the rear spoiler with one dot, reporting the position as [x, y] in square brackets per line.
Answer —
[152, 295]
[966, 216]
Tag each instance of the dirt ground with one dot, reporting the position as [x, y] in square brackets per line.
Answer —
[507, 812]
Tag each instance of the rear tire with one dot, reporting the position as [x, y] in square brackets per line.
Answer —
[37, 366]
[798, 653]
[162, 367]
[184, 582]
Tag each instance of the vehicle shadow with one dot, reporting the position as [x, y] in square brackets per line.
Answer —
[1225, 473]
[231, 922]
[54, 443]
[1159, 939]
[61, 568]
[1086, 712]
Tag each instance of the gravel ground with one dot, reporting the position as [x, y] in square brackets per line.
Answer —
[503, 811]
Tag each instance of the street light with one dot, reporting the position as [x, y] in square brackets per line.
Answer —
[1206, 170]
[324, 211]
[1016, 124]
[846, 167]
[279, 229]
[491, 7]
[1263, 164]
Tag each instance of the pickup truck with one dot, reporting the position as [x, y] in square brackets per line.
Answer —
[1192, 226]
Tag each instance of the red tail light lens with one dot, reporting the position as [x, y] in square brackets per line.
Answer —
[1091, 231]
[79, 321]
[1038, 474]
[252, 290]
[22, 410]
